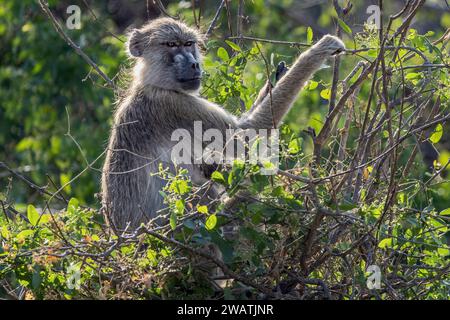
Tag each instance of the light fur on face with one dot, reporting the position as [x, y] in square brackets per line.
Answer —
[147, 46]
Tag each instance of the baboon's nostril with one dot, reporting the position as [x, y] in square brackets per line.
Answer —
[195, 66]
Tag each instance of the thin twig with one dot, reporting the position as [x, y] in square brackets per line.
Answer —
[59, 29]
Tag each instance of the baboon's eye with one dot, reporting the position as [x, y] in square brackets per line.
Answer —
[171, 44]
[189, 43]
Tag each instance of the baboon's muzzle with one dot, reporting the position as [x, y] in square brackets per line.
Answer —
[189, 71]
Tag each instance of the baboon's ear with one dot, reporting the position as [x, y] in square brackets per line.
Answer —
[136, 43]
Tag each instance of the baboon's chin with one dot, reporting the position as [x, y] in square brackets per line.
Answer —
[190, 85]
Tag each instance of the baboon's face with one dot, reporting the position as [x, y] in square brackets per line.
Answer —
[183, 62]
[171, 50]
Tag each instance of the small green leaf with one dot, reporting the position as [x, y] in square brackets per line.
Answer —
[294, 146]
[151, 255]
[309, 35]
[312, 85]
[223, 54]
[218, 177]
[4, 232]
[445, 212]
[45, 218]
[385, 243]
[211, 222]
[202, 209]
[32, 215]
[233, 45]
[437, 134]
[326, 94]
[64, 180]
[443, 252]
[72, 205]
[179, 205]
[24, 234]
[412, 75]
[180, 186]
[372, 53]
[173, 220]
[344, 26]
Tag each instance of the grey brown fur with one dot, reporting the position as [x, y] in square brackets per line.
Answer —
[163, 98]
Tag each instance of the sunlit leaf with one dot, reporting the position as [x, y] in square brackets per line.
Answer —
[309, 35]
[233, 45]
[437, 134]
[211, 222]
[202, 209]
[32, 214]
[218, 177]
[72, 205]
[24, 234]
[312, 85]
[223, 54]
[173, 220]
[344, 26]
[326, 94]
[294, 146]
[385, 243]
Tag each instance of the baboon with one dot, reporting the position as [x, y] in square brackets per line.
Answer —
[164, 96]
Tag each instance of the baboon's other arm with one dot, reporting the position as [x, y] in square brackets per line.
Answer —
[276, 104]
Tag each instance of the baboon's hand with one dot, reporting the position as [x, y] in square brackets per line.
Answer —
[282, 69]
[329, 45]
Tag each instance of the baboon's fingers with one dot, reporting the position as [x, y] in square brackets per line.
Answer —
[282, 69]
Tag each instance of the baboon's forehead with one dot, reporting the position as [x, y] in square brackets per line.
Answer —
[166, 29]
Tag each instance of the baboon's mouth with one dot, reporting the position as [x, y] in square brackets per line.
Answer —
[338, 51]
[189, 80]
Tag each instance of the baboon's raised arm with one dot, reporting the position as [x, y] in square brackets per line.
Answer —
[271, 110]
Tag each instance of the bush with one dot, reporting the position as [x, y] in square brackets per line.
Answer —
[352, 198]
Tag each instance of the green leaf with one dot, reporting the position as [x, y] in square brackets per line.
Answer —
[443, 252]
[218, 177]
[385, 243]
[32, 215]
[45, 218]
[223, 54]
[312, 85]
[4, 232]
[211, 222]
[372, 53]
[233, 45]
[326, 94]
[151, 255]
[445, 212]
[179, 205]
[173, 220]
[24, 234]
[64, 180]
[25, 143]
[412, 75]
[309, 35]
[437, 134]
[72, 205]
[344, 26]
[202, 209]
[180, 186]
[294, 146]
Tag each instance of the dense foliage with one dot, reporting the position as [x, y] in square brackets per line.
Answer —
[356, 186]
